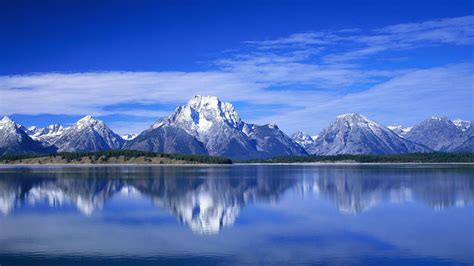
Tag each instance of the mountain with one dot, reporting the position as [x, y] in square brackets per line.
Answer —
[399, 129]
[466, 146]
[129, 136]
[463, 125]
[271, 141]
[47, 135]
[213, 125]
[303, 139]
[442, 134]
[166, 139]
[88, 134]
[14, 141]
[355, 134]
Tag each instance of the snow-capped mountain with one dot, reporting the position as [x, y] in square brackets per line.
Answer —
[48, 135]
[442, 134]
[88, 134]
[355, 134]
[13, 140]
[463, 125]
[129, 136]
[303, 139]
[399, 129]
[207, 124]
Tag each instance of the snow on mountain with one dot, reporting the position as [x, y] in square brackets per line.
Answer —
[88, 134]
[218, 127]
[207, 125]
[47, 135]
[271, 141]
[463, 125]
[30, 130]
[355, 134]
[399, 129]
[129, 136]
[303, 139]
[442, 134]
[13, 140]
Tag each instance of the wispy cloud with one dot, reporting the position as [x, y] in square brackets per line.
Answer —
[405, 99]
[456, 31]
[298, 40]
[272, 73]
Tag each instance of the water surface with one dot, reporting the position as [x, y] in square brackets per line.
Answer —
[240, 214]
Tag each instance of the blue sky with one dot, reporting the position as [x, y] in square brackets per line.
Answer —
[294, 63]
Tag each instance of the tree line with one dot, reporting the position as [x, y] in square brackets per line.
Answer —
[436, 157]
[127, 154]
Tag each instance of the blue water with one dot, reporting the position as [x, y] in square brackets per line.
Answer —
[234, 215]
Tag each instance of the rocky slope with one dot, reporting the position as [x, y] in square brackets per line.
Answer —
[208, 125]
[88, 134]
[442, 134]
[47, 135]
[14, 141]
[303, 139]
[399, 129]
[355, 134]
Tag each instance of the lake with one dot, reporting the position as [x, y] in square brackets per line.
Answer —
[237, 214]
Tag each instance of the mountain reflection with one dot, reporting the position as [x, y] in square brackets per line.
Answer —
[208, 199]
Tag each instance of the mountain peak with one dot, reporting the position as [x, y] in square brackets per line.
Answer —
[88, 134]
[399, 129]
[209, 125]
[440, 134]
[211, 105]
[463, 124]
[439, 118]
[352, 116]
[203, 100]
[88, 119]
[14, 140]
[203, 112]
[303, 139]
[129, 136]
[7, 122]
[353, 119]
[356, 134]
[6, 119]
[301, 134]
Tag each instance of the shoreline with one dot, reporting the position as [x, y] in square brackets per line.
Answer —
[226, 165]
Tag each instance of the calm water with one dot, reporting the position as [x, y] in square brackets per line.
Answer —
[237, 215]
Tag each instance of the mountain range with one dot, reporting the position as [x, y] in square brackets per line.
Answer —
[207, 125]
